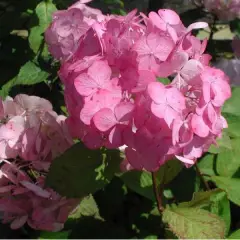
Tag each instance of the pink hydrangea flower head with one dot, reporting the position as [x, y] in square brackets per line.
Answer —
[31, 135]
[114, 98]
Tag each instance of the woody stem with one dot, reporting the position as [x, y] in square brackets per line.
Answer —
[158, 193]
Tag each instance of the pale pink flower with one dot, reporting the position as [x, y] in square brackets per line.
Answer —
[31, 135]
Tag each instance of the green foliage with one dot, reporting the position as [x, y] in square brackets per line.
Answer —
[165, 81]
[139, 182]
[232, 113]
[233, 125]
[235, 26]
[169, 171]
[189, 179]
[115, 6]
[44, 11]
[220, 206]
[235, 235]
[29, 74]
[230, 153]
[232, 105]
[215, 201]
[222, 143]
[207, 164]
[193, 223]
[85, 170]
[112, 204]
[230, 186]
[54, 235]
[200, 199]
[87, 207]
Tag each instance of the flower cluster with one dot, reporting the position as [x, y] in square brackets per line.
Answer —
[69, 26]
[31, 135]
[113, 95]
[224, 9]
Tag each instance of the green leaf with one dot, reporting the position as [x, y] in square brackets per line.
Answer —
[215, 200]
[200, 199]
[139, 182]
[169, 234]
[235, 235]
[4, 92]
[169, 171]
[54, 235]
[190, 223]
[81, 171]
[91, 228]
[44, 11]
[220, 206]
[224, 142]
[233, 125]
[232, 105]
[187, 178]
[165, 81]
[29, 74]
[206, 164]
[36, 40]
[230, 155]
[235, 26]
[151, 237]
[115, 193]
[87, 207]
[230, 186]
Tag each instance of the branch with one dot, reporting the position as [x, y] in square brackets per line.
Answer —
[211, 44]
[158, 194]
[212, 28]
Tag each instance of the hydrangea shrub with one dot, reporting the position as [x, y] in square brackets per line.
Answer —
[145, 112]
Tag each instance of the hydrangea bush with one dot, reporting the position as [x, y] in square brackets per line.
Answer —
[137, 108]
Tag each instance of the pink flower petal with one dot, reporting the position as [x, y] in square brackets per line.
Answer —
[157, 92]
[134, 159]
[104, 119]
[185, 160]
[18, 222]
[197, 25]
[124, 111]
[36, 189]
[199, 127]
[169, 16]
[158, 109]
[85, 85]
